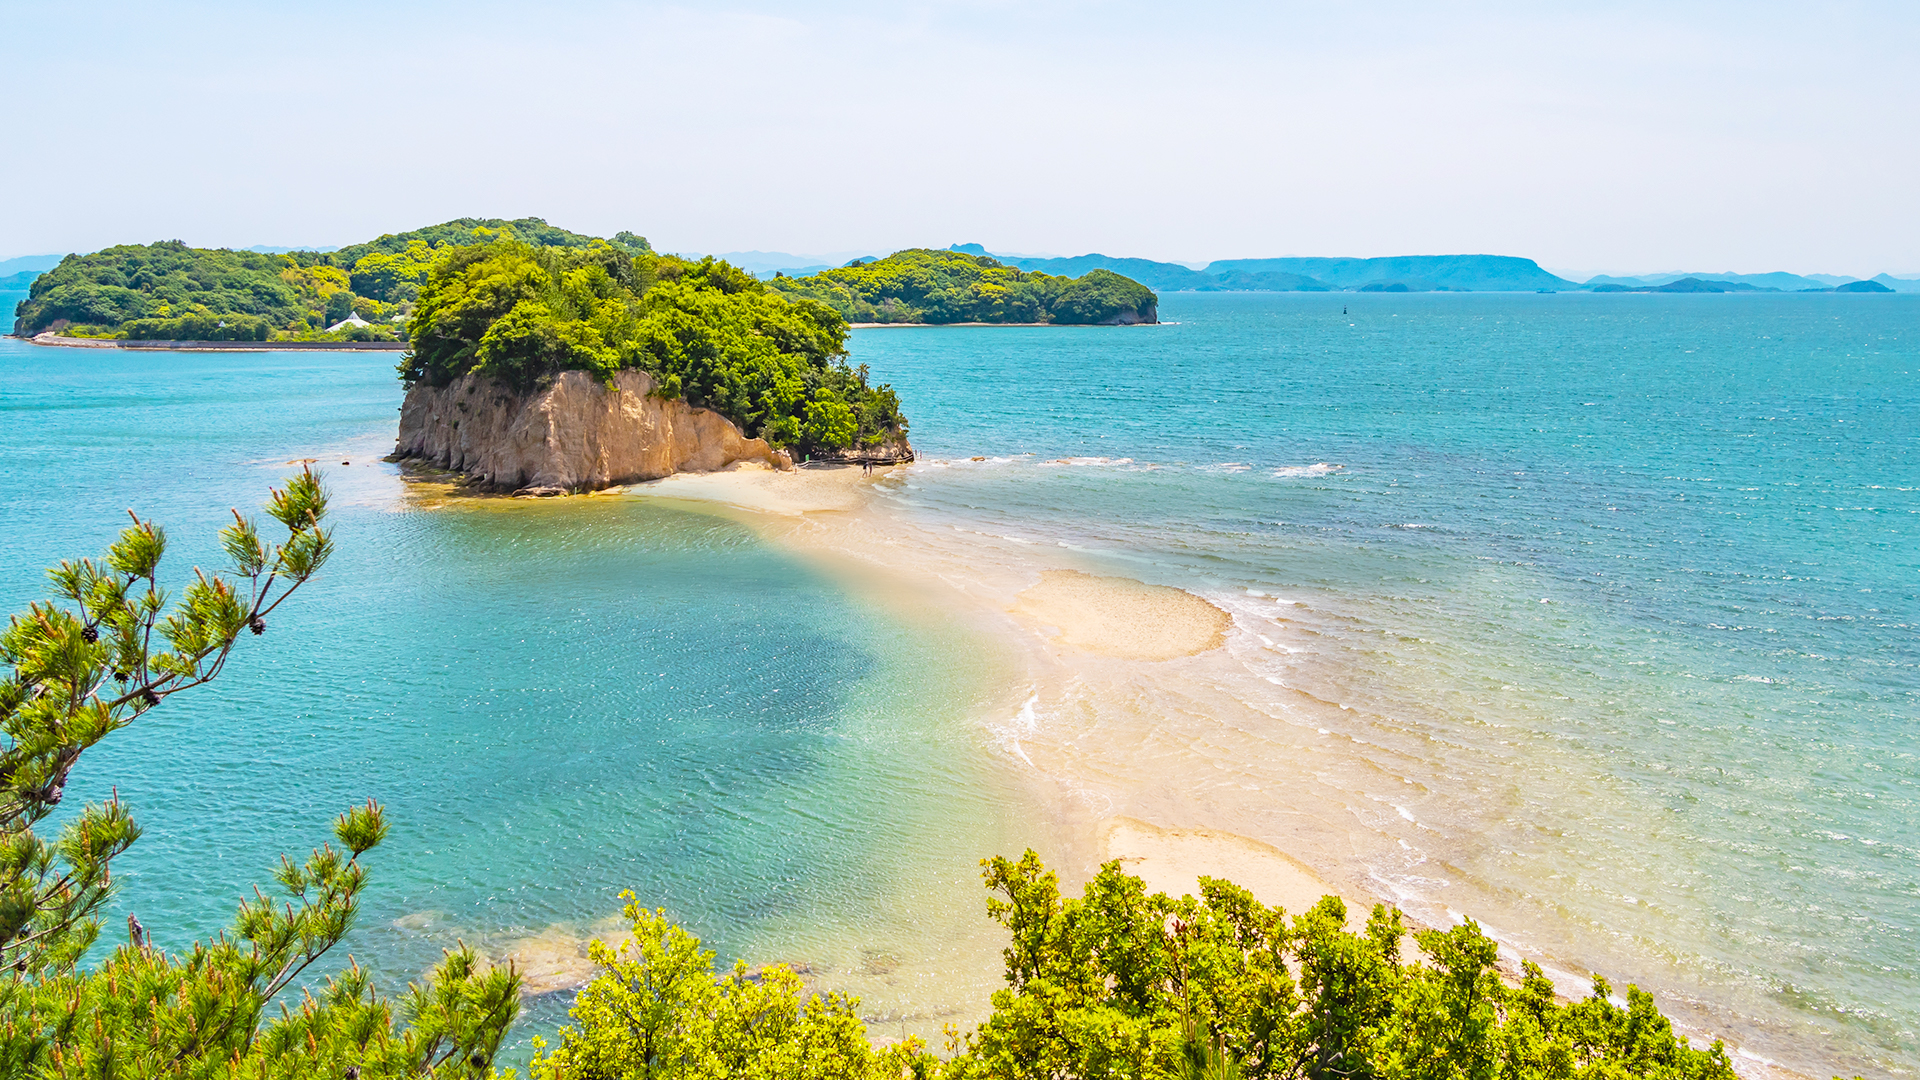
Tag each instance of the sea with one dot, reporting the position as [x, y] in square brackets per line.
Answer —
[1591, 618]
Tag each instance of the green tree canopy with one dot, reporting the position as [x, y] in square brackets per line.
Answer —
[706, 331]
[923, 285]
[171, 291]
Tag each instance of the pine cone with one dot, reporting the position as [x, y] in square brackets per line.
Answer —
[89, 634]
[150, 698]
[258, 625]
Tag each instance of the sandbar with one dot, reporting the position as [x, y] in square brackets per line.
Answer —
[1123, 618]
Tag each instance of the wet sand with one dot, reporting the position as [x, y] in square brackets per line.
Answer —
[1123, 618]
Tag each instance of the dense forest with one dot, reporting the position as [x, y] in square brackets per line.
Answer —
[922, 285]
[171, 291]
[706, 331]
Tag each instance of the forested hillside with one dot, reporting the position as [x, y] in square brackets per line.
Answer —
[922, 285]
[171, 291]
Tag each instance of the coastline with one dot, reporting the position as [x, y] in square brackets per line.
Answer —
[1063, 623]
[57, 340]
[1122, 744]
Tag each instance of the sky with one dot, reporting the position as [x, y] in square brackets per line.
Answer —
[1595, 137]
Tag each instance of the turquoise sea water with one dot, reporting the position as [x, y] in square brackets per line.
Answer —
[1694, 764]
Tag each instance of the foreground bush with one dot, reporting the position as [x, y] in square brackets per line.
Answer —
[1120, 984]
[661, 1010]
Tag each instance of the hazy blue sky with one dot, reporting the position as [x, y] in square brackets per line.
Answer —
[1593, 136]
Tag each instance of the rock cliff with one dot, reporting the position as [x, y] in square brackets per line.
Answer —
[574, 435]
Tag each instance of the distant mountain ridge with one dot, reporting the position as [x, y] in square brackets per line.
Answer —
[1713, 285]
[1778, 281]
[1408, 273]
[1420, 273]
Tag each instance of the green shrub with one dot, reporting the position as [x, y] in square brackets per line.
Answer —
[198, 327]
[661, 1010]
[1121, 985]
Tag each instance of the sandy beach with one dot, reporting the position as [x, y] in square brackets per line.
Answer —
[1069, 626]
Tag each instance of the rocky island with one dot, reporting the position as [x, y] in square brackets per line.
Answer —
[544, 370]
[575, 434]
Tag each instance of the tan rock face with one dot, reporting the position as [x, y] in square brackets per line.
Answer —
[575, 435]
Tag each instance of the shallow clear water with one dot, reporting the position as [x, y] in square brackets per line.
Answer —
[1621, 593]
[1694, 765]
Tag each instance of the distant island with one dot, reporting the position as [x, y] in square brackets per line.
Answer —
[1715, 285]
[923, 285]
[169, 291]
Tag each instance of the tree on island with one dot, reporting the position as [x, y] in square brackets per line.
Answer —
[106, 652]
[706, 331]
